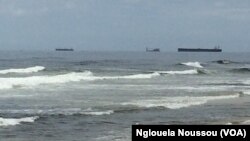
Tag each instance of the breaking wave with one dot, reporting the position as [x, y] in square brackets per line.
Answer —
[241, 70]
[194, 71]
[99, 113]
[247, 122]
[60, 111]
[135, 76]
[177, 102]
[24, 70]
[223, 62]
[8, 83]
[186, 72]
[16, 121]
[193, 64]
[246, 92]
[236, 83]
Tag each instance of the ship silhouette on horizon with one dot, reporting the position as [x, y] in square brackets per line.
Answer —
[215, 49]
[64, 49]
[153, 50]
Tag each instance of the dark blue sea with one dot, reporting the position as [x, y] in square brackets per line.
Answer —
[97, 96]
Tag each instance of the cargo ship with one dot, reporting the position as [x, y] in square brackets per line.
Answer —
[64, 49]
[216, 49]
[153, 50]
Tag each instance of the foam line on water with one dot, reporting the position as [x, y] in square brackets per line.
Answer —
[59, 111]
[8, 83]
[177, 102]
[23, 70]
[16, 121]
[192, 64]
[194, 71]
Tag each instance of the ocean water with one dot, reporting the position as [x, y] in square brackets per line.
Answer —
[97, 96]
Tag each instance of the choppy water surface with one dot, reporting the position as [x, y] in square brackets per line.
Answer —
[89, 96]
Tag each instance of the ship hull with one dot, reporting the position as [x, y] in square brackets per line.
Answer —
[153, 50]
[198, 50]
[61, 49]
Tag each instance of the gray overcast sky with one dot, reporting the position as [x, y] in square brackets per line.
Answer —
[124, 24]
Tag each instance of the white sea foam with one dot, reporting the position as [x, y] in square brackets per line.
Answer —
[98, 113]
[59, 111]
[136, 76]
[7, 83]
[73, 111]
[54, 111]
[239, 122]
[201, 88]
[247, 122]
[177, 102]
[194, 71]
[193, 64]
[133, 76]
[246, 92]
[16, 121]
[23, 70]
